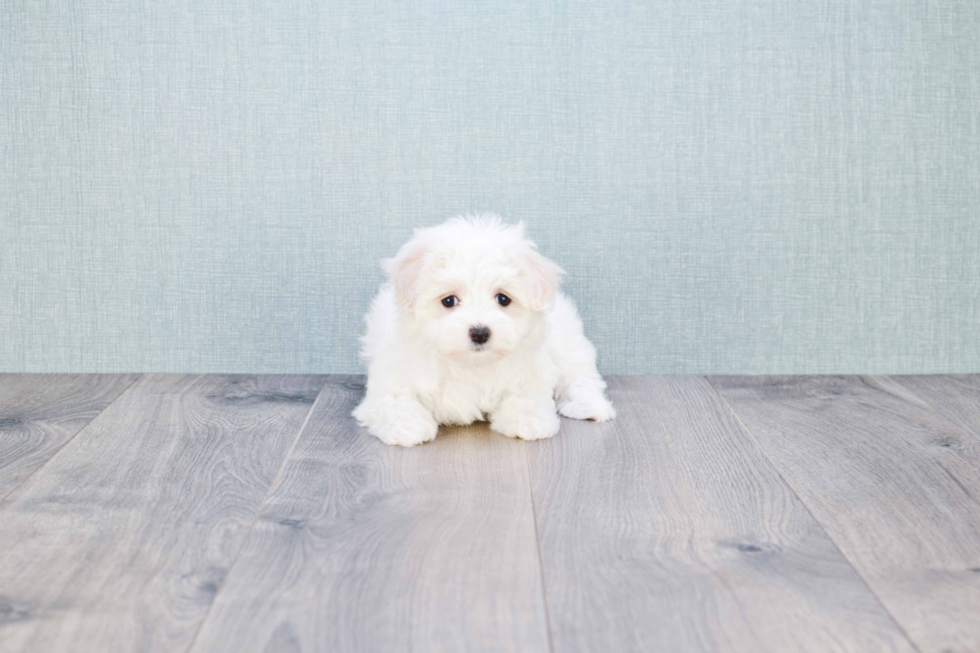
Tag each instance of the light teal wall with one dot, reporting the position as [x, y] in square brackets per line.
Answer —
[755, 186]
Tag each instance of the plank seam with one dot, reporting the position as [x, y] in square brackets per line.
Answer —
[258, 513]
[830, 538]
[537, 546]
[23, 481]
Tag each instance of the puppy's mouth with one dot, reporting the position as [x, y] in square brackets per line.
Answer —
[487, 350]
[473, 351]
[476, 354]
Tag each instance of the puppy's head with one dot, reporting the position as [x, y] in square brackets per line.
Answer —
[475, 287]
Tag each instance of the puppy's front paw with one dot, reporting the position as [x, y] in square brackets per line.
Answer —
[406, 434]
[585, 400]
[526, 425]
[596, 408]
[397, 420]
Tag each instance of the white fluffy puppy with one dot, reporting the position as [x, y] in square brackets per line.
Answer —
[472, 327]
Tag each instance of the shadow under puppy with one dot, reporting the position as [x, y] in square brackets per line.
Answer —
[472, 327]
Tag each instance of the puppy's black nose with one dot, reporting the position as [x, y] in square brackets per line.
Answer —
[479, 334]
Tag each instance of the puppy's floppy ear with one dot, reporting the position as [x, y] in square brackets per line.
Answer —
[542, 276]
[405, 270]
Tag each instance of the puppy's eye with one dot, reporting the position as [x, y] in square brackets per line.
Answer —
[450, 301]
[502, 299]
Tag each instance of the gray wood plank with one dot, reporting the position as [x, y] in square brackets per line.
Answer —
[39, 413]
[367, 547]
[957, 397]
[121, 541]
[667, 530]
[878, 470]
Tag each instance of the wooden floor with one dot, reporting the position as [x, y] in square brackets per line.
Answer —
[249, 513]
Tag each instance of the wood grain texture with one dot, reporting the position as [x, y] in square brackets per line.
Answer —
[366, 547]
[956, 396]
[667, 530]
[122, 540]
[890, 481]
[39, 413]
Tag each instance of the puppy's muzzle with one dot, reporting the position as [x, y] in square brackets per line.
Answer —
[479, 334]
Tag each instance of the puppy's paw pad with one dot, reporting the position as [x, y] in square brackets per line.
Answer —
[597, 409]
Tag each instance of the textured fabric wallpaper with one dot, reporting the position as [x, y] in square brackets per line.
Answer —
[733, 187]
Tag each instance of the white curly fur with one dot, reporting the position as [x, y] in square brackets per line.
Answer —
[424, 368]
